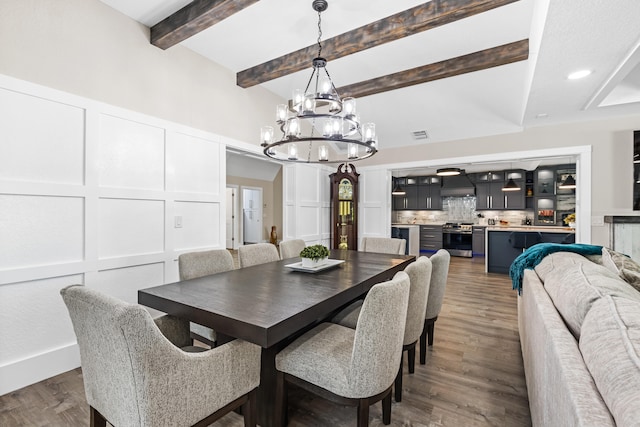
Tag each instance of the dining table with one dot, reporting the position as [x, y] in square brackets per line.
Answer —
[271, 304]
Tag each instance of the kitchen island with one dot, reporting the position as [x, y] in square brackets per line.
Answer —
[505, 243]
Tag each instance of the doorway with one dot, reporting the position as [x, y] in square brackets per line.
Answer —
[252, 215]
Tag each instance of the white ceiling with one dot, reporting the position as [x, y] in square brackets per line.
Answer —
[564, 36]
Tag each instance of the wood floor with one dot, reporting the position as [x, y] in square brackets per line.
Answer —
[473, 376]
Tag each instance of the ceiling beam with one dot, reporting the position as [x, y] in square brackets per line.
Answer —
[412, 21]
[193, 18]
[481, 60]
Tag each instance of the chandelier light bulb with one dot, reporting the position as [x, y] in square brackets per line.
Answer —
[281, 113]
[297, 98]
[266, 135]
[368, 132]
[309, 106]
[349, 106]
[325, 87]
[353, 151]
[323, 153]
[292, 152]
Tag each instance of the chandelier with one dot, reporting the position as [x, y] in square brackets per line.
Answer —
[317, 125]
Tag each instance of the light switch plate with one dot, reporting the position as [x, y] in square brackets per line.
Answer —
[177, 221]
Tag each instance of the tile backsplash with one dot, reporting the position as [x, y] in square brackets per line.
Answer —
[460, 209]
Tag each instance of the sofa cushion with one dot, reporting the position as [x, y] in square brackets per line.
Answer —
[623, 266]
[573, 288]
[610, 346]
[555, 260]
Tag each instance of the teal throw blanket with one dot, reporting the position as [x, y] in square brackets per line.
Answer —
[532, 257]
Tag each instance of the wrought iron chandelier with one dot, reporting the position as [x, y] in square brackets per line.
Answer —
[317, 125]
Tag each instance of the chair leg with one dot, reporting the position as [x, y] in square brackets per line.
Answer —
[281, 401]
[386, 409]
[423, 345]
[249, 410]
[398, 382]
[411, 359]
[363, 412]
[96, 419]
[430, 332]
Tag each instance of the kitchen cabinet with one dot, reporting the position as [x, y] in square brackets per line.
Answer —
[490, 177]
[489, 195]
[515, 199]
[409, 200]
[429, 193]
[478, 240]
[430, 237]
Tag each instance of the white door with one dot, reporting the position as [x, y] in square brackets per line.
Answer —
[252, 215]
[231, 224]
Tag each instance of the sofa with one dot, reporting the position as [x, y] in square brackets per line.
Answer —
[579, 324]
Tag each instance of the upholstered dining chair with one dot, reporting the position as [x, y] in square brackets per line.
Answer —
[291, 248]
[192, 265]
[384, 245]
[258, 253]
[420, 279]
[348, 366]
[135, 373]
[439, 273]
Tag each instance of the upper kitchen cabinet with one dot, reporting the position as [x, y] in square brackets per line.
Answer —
[545, 182]
[489, 177]
[409, 200]
[489, 195]
[429, 194]
[515, 199]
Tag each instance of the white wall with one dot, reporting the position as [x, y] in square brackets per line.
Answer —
[89, 194]
[306, 201]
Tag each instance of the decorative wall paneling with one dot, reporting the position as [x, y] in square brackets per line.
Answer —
[90, 193]
[306, 210]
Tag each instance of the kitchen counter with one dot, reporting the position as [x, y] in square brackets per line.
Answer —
[540, 229]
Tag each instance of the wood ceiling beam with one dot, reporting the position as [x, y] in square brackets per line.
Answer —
[412, 21]
[481, 60]
[193, 18]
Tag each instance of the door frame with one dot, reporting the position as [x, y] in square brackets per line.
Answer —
[235, 221]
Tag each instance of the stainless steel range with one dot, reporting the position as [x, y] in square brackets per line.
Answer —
[457, 238]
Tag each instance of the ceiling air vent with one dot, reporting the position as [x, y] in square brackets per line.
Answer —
[420, 134]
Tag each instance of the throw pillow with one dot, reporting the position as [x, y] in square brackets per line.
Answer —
[623, 266]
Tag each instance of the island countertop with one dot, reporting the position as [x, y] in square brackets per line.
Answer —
[524, 228]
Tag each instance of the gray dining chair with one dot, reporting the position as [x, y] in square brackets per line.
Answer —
[420, 279]
[291, 248]
[193, 265]
[384, 245]
[440, 271]
[258, 253]
[347, 366]
[135, 373]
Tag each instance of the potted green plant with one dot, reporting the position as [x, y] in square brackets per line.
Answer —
[314, 256]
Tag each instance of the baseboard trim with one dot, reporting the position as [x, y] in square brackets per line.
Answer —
[18, 374]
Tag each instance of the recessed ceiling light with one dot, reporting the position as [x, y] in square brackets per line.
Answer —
[542, 116]
[578, 74]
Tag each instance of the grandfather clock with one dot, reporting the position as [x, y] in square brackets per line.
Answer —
[344, 207]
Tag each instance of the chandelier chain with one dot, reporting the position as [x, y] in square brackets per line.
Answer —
[319, 35]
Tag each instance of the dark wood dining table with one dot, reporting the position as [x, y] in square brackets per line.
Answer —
[271, 304]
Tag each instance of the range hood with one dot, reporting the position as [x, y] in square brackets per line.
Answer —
[457, 186]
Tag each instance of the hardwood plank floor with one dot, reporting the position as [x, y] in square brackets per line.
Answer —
[473, 376]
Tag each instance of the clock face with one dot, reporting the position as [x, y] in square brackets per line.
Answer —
[345, 190]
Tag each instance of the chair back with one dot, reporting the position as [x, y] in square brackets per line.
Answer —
[440, 270]
[114, 338]
[291, 248]
[377, 346]
[259, 253]
[384, 245]
[419, 273]
[197, 264]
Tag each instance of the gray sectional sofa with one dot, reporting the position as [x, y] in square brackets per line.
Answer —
[579, 324]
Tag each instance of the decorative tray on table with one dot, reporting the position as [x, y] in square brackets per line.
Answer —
[330, 263]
